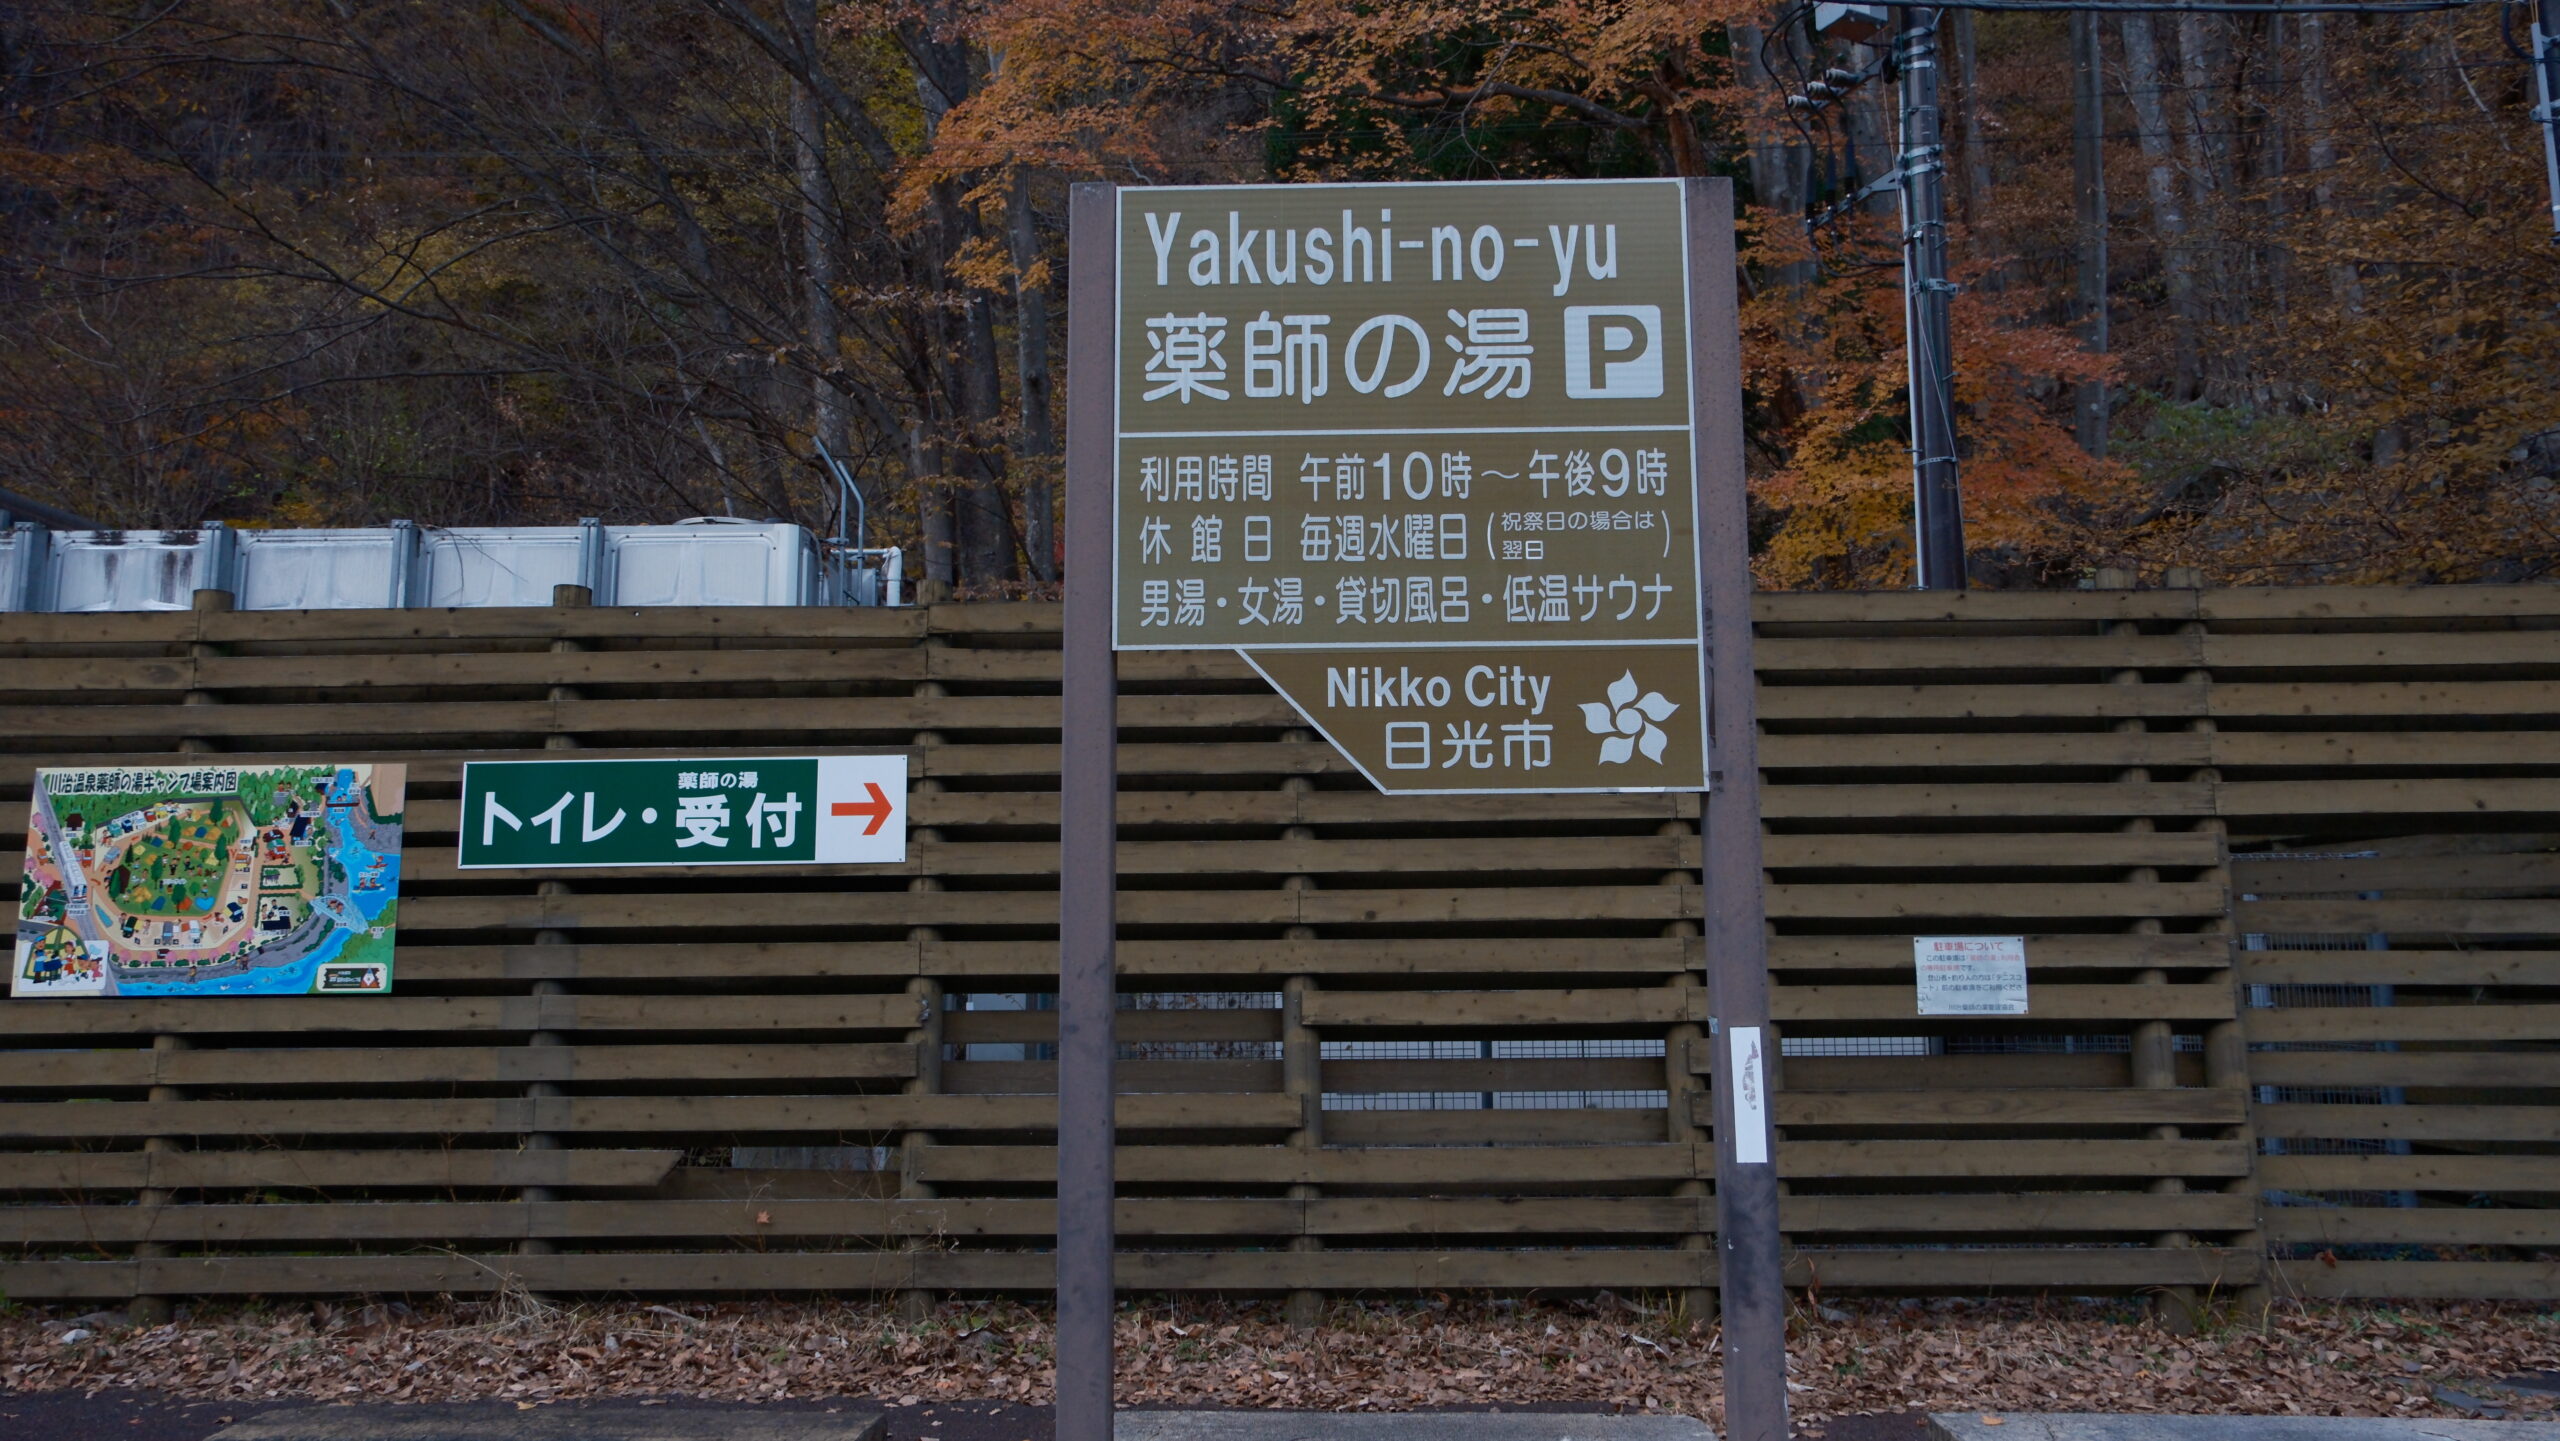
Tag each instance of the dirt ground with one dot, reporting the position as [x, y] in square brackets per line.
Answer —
[1858, 1370]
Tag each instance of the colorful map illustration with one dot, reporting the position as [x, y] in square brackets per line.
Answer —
[256, 880]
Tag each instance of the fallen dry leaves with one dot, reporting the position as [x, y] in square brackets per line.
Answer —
[1872, 1356]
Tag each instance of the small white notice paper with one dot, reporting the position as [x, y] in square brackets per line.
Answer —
[1971, 975]
[1750, 1097]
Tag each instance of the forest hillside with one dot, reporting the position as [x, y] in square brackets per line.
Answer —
[2272, 294]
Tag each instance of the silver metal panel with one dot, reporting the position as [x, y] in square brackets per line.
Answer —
[712, 562]
[324, 569]
[481, 566]
[124, 570]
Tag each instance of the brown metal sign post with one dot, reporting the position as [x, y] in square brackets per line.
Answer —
[1088, 831]
[1458, 468]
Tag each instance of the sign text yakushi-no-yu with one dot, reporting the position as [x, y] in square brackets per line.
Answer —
[1424, 454]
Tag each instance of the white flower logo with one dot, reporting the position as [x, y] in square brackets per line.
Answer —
[1628, 722]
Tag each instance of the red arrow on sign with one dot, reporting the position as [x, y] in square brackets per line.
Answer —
[877, 808]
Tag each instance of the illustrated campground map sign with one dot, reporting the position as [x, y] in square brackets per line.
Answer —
[1424, 454]
[259, 880]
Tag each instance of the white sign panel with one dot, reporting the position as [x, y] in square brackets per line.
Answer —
[1970, 975]
[1750, 1097]
[862, 809]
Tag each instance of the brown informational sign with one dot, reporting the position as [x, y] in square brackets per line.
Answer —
[1424, 454]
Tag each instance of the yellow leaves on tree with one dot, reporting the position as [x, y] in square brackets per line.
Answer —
[1828, 369]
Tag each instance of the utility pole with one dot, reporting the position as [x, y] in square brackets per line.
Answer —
[1920, 173]
[1936, 501]
[2546, 71]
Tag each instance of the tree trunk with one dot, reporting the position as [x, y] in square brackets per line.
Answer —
[1977, 153]
[827, 409]
[1780, 162]
[2275, 144]
[2168, 212]
[2320, 152]
[2089, 213]
[981, 537]
[984, 532]
[1036, 452]
[1870, 133]
[2201, 122]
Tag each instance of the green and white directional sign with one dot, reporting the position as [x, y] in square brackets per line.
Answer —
[735, 811]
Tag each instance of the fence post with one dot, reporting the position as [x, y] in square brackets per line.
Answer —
[1301, 1061]
[1302, 1075]
[150, 1309]
[2226, 1043]
[916, 1303]
[563, 597]
[1682, 1093]
[2154, 1057]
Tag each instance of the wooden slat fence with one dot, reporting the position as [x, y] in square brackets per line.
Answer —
[1373, 1044]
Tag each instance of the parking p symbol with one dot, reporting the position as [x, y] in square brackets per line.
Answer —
[1612, 352]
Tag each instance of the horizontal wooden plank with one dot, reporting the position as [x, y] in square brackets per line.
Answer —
[100, 1016]
[2410, 1173]
[774, 715]
[1504, 1127]
[2398, 917]
[2083, 653]
[2044, 1157]
[2433, 699]
[2432, 649]
[2472, 1024]
[2037, 803]
[249, 1066]
[2404, 1068]
[2043, 900]
[1831, 851]
[2420, 1280]
[765, 1218]
[1974, 607]
[2090, 1267]
[962, 960]
[2123, 952]
[2210, 1001]
[2345, 749]
[2408, 1123]
[2400, 968]
[2274, 878]
[74, 1171]
[2340, 604]
[1660, 1005]
[2018, 1213]
[859, 1117]
[1455, 854]
[2176, 701]
[1922, 749]
[878, 1270]
[1331, 1166]
[2411, 1225]
[2119, 1106]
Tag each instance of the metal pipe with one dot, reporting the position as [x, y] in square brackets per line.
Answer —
[848, 497]
[2546, 70]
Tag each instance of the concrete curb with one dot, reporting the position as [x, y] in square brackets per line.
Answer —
[1384, 1426]
[567, 1421]
[2065, 1426]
